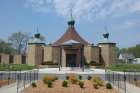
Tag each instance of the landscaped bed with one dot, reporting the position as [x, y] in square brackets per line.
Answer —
[51, 84]
[136, 83]
[6, 82]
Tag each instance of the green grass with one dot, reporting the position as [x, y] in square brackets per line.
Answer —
[15, 67]
[125, 67]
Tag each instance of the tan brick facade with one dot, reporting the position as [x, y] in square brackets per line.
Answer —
[17, 59]
[91, 53]
[104, 54]
[35, 55]
[108, 54]
[4, 58]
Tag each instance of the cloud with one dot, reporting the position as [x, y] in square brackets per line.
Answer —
[39, 5]
[86, 9]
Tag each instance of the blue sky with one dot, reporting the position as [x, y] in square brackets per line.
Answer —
[121, 17]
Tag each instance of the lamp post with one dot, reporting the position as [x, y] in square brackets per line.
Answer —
[82, 59]
[60, 58]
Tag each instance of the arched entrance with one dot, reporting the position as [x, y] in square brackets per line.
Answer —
[72, 55]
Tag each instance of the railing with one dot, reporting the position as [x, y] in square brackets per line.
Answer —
[21, 78]
[122, 79]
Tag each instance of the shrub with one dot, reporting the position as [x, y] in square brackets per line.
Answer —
[73, 79]
[92, 63]
[34, 84]
[95, 85]
[65, 83]
[49, 82]
[8, 78]
[89, 77]
[97, 80]
[108, 86]
[81, 84]
[49, 78]
[80, 77]
[47, 63]
[87, 64]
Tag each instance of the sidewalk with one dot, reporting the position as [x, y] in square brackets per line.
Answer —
[132, 89]
[9, 89]
[129, 88]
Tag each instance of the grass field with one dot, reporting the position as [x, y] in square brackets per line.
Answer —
[15, 67]
[125, 67]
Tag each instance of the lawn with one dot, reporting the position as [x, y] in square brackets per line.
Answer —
[125, 67]
[15, 67]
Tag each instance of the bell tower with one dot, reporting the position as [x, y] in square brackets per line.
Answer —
[107, 51]
[35, 50]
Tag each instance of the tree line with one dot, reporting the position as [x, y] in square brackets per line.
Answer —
[17, 43]
[135, 50]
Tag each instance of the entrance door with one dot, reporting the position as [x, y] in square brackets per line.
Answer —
[71, 60]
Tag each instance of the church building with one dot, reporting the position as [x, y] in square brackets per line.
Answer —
[71, 50]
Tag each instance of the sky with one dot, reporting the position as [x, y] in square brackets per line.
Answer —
[121, 18]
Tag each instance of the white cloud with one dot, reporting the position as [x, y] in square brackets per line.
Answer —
[39, 5]
[87, 8]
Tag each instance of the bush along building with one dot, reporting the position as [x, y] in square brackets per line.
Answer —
[71, 50]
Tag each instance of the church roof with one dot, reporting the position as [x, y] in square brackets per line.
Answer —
[70, 34]
[36, 39]
[70, 42]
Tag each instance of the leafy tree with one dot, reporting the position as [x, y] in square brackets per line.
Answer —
[6, 48]
[19, 41]
[134, 50]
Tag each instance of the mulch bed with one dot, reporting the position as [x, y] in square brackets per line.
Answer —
[72, 88]
[6, 82]
[136, 83]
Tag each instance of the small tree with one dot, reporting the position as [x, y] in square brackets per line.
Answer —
[6, 47]
[81, 84]
[49, 83]
[65, 83]
[34, 84]
[19, 41]
[108, 86]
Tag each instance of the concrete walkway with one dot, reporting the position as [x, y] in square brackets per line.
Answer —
[131, 89]
[9, 88]
[13, 87]
[70, 70]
